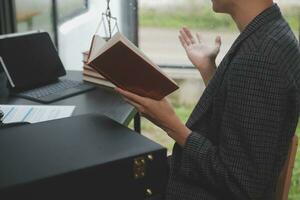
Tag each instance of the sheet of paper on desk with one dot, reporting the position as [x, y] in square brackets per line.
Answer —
[33, 114]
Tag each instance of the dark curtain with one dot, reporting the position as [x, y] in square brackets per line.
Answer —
[7, 17]
[7, 22]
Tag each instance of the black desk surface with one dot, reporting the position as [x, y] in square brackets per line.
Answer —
[101, 100]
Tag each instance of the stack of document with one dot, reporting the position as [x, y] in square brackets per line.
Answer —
[34, 114]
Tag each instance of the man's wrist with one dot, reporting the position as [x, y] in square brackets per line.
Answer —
[207, 72]
[179, 132]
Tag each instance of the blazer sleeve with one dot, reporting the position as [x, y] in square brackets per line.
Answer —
[251, 127]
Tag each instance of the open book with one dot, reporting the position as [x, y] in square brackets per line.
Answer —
[122, 63]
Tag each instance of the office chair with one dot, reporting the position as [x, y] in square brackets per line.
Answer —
[284, 181]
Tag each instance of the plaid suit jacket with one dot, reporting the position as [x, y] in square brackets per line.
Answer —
[244, 121]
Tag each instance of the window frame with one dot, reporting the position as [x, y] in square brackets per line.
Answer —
[77, 12]
[56, 21]
[129, 16]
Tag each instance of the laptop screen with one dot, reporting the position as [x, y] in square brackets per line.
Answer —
[31, 60]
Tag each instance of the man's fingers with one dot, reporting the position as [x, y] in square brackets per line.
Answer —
[139, 107]
[131, 96]
[136, 105]
[198, 37]
[218, 42]
[182, 42]
[185, 37]
[189, 34]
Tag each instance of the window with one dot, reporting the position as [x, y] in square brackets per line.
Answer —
[34, 15]
[67, 9]
[46, 14]
[160, 22]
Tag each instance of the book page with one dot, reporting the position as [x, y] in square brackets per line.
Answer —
[97, 44]
[107, 45]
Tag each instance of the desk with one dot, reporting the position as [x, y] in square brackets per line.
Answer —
[101, 100]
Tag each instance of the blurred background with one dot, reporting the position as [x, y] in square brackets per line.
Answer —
[154, 26]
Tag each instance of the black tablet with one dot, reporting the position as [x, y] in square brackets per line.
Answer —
[30, 60]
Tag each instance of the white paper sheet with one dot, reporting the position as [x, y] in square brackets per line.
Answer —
[33, 114]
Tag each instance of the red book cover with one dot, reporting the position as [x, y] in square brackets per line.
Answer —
[128, 68]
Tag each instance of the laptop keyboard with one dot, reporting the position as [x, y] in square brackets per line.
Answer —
[56, 91]
[52, 88]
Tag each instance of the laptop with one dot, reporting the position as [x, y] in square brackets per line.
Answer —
[34, 69]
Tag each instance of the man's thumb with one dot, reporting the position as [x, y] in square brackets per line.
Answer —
[218, 42]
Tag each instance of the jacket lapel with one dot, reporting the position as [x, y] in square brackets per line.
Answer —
[214, 84]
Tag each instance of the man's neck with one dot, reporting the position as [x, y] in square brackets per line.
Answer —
[244, 14]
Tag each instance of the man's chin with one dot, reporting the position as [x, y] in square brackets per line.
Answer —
[217, 8]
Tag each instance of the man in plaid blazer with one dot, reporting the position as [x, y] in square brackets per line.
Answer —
[236, 140]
